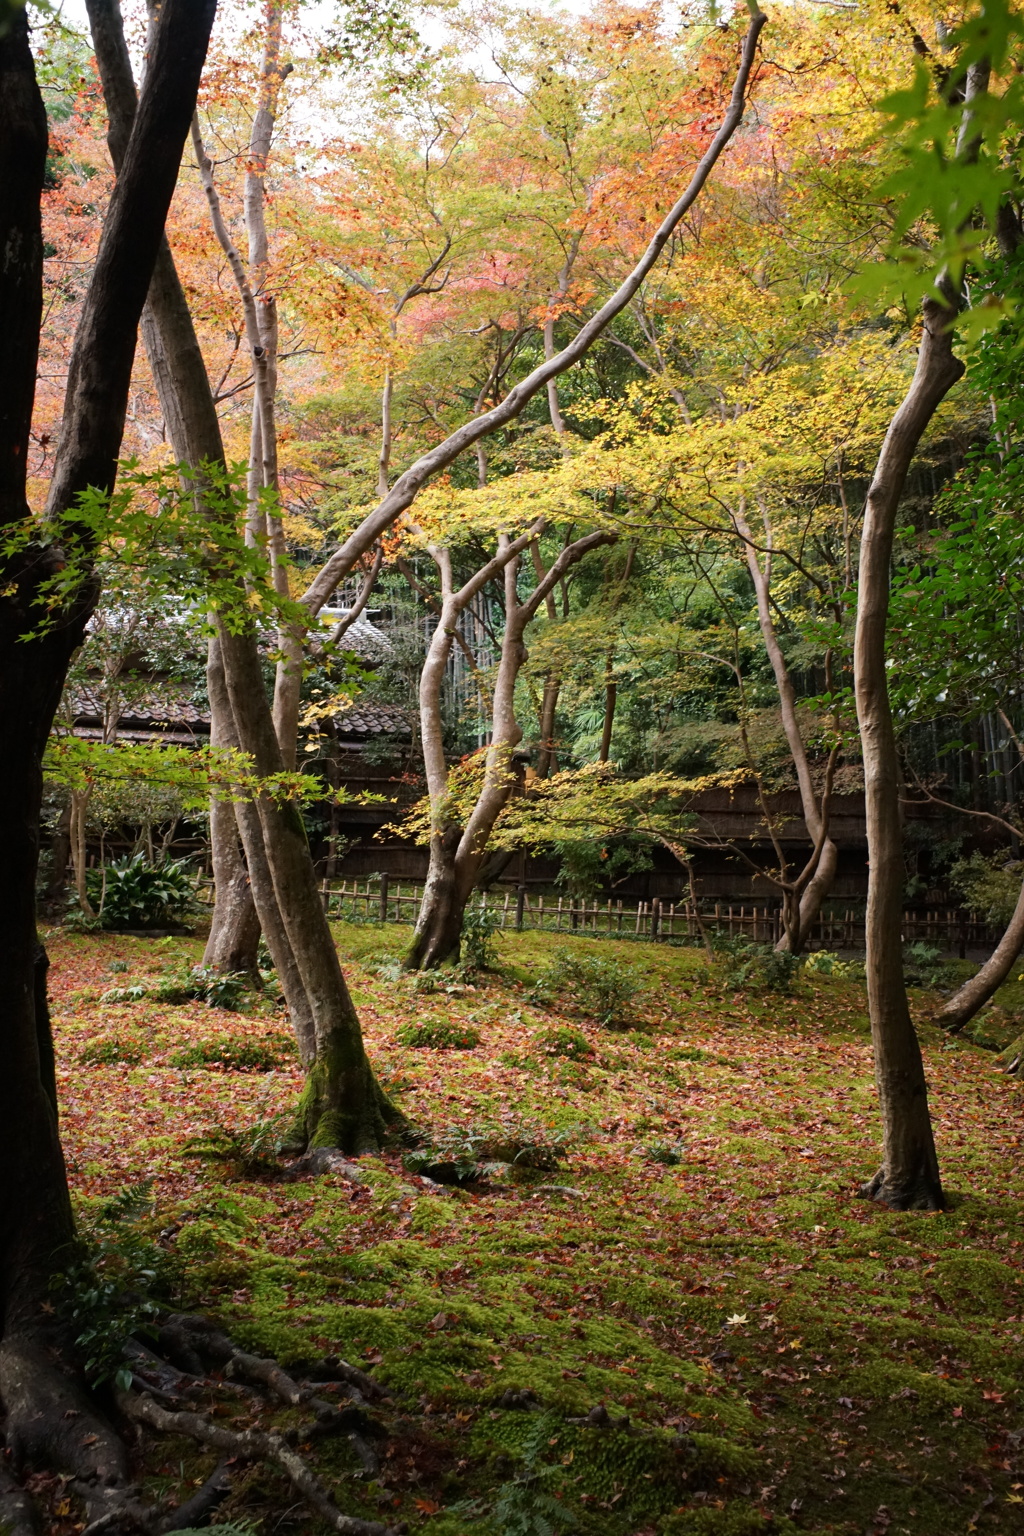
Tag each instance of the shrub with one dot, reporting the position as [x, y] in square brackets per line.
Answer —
[132, 893]
[600, 989]
[133, 994]
[923, 966]
[104, 1294]
[440, 1035]
[220, 989]
[989, 884]
[743, 964]
[824, 962]
[477, 949]
[233, 1055]
[564, 1041]
[458, 1155]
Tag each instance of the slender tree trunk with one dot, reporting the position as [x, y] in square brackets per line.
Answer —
[547, 756]
[975, 993]
[802, 918]
[259, 880]
[235, 927]
[342, 1104]
[909, 1175]
[438, 931]
[610, 694]
[79, 806]
[35, 1210]
[60, 853]
[456, 861]
[190, 420]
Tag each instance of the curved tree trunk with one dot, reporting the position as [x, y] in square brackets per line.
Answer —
[342, 1104]
[975, 993]
[815, 812]
[456, 861]
[235, 929]
[909, 1175]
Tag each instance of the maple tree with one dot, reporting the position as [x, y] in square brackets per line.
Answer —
[343, 1105]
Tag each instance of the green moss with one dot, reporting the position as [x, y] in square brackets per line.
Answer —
[879, 1343]
[728, 1519]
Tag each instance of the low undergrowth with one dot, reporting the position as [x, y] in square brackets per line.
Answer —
[648, 1302]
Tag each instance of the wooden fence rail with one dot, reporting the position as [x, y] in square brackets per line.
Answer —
[382, 900]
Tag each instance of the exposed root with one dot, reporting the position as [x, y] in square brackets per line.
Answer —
[1011, 1061]
[18, 1515]
[202, 1503]
[916, 1195]
[51, 1421]
[251, 1445]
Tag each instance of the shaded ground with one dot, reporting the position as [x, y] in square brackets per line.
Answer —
[789, 1358]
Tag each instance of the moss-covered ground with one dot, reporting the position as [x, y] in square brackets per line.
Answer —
[788, 1357]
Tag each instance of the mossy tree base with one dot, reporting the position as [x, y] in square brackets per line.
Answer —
[1011, 1060]
[921, 1192]
[346, 1109]
[438, 935]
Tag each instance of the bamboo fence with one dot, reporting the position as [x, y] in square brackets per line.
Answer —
[382, 900]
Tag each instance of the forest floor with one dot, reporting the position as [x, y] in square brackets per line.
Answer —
[679, 1241]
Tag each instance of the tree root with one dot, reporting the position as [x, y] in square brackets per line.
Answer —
[202, 1503]
[916, 1195]
[251, 1445]
[1011, 1061]
[52, 1421]
[18, 1515]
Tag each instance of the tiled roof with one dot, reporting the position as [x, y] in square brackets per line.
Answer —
[168, 713]
[363, 637]
[366, 720]
[165, 706]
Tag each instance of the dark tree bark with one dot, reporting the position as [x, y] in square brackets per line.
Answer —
[909, 1176]
[190, 418]
[48, 1416]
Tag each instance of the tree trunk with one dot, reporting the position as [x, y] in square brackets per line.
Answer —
[610, 694]
[190, 420]
[975, 993]
[547, 756]
[60, 853]
[260, 884]
[48, 1416]
[815, 812]
[342, 1104]
[456, 862]
[438, 932]
[235, 927]
[909, 1175]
